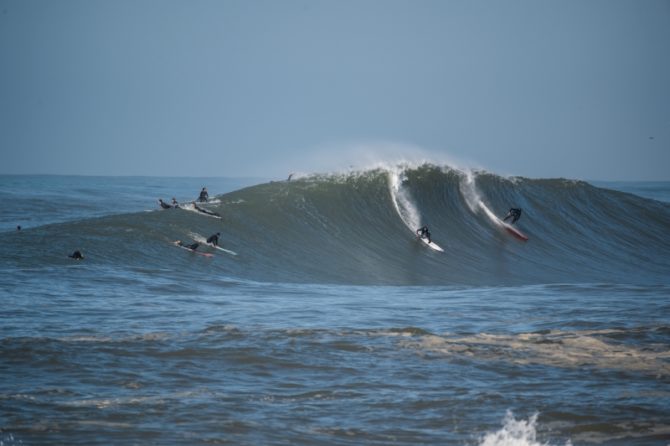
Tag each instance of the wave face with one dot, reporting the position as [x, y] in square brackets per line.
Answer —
[358, 228]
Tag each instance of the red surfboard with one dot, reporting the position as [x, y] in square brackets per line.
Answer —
[515, 232]
[204, 254]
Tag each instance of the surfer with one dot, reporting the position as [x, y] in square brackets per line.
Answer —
[175, 204]
[514, 214]
[76, 255]
[163, 204]
[214, 239]
[205, 211]
[423, 232]
[204, 196]
[192, 246]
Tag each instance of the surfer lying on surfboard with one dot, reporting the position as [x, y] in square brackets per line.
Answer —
[514, 214]
[423, 233]
[205, 211]
[192, 246]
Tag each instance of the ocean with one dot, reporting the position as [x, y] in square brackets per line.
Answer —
[325, 321]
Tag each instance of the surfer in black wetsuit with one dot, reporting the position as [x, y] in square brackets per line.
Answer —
[205, 211]
[214, 239]
[423, 232]
[204, 196]
[77, 255]
[514, 214]
[192, 246]
[163, 204]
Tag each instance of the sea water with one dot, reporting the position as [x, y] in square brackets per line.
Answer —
[141, 343]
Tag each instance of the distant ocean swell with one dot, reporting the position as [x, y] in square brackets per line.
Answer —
[359, 229]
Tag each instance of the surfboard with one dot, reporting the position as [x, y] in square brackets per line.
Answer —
[199, 238]
[432, 244]
[204, 254]
[499, 222]
[233, 253]
[206, 212]
[514, 231]
[192, 207]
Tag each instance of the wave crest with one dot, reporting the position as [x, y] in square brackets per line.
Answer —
[358, 228]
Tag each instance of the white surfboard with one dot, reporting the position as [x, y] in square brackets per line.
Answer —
[200, 239]
[233, 253]
[432, 244]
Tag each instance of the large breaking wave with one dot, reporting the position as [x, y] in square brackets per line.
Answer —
[358, 228]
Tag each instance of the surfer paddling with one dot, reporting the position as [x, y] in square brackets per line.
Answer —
[192, 246]
[77, 255]
[423, 232]
[514, 214]
[163, 204]
[205, 211]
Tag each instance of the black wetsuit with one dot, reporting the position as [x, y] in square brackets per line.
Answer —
[424, 233]
[204, 196]
[204, 211]
[76, 255]
[164, 205]
[192, 246]
[214, 239]
[513, 213]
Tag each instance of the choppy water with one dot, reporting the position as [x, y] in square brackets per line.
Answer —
[333, 325]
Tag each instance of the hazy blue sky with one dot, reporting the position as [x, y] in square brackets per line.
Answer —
[576, 88]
